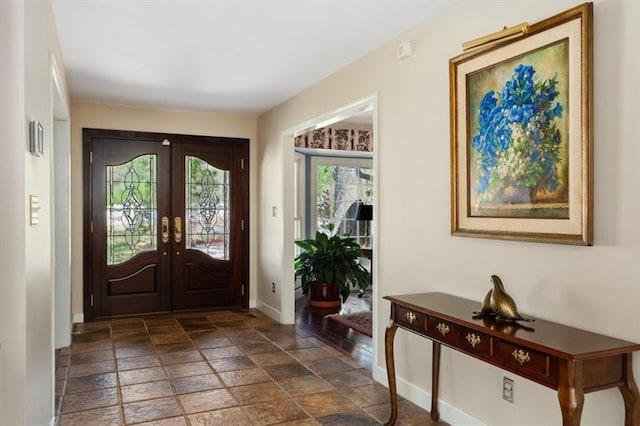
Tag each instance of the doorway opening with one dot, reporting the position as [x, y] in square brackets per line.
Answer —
[297, 213]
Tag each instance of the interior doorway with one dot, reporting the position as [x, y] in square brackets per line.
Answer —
[167, 219]
[366, 107]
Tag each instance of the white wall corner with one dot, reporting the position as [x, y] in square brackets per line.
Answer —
[78, 318]
[252, 303]
[422, 398]
[269, 311]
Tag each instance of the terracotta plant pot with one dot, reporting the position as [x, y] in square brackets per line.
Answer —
[324, 295]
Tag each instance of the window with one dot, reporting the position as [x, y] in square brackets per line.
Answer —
[299, 197]
[337, 185]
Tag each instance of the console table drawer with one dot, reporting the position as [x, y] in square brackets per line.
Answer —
[526, 361]
[410, 319]
[459, 337]
[444, 331]
[475, 342]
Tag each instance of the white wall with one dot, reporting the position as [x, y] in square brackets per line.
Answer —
[596, 288]
[41, 41]
[12, 251]
[87, 115]
[28, 39]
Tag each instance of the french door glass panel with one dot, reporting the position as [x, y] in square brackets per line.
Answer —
[207, 208]
[131, 208]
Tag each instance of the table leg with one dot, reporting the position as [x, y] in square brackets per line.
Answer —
[630, 393]
[435, 380]
[391, 372]
[571, 392]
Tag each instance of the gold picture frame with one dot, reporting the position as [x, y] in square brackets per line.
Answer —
[522, 133]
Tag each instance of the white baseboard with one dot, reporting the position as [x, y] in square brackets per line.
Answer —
[252, 303]
[269, 311]
[422, 398]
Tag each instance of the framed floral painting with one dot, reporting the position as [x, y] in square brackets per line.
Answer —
[521, 135]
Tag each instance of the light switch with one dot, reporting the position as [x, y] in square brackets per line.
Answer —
[34, 208]
[274, 211]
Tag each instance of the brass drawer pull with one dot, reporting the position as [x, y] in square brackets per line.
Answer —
[521, 356]
[473, 339]
[410, 316]
[443, 328]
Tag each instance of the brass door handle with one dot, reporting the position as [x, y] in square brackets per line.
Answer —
[165, 229]
[177, 229]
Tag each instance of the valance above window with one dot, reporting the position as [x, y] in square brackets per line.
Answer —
[337, 139]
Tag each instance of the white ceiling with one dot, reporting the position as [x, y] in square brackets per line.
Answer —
[225, 56]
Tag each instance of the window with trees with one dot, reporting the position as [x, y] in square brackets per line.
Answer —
[337, 185]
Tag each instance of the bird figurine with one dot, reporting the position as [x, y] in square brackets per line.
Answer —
[487, 306]
[503, 304]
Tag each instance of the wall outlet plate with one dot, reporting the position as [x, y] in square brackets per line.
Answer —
[507, 389]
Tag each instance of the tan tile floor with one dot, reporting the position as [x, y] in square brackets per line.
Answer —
[214, 368]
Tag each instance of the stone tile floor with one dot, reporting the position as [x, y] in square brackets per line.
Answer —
[214, 368]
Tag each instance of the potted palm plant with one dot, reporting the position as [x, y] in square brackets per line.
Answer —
[329, 267]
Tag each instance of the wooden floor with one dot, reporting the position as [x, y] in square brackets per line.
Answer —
[313, 321]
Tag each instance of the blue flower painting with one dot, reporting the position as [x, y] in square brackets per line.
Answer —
[518, 148]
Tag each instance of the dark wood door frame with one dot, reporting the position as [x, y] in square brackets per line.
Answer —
[88, 134]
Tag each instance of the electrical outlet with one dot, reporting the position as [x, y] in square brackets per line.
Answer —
[507, 389]
[273, 287]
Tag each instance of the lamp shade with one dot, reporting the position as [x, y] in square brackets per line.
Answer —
[364, 212]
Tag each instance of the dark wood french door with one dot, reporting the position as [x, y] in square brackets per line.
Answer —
[166, 222]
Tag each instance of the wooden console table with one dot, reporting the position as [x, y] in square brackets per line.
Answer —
[570, 360]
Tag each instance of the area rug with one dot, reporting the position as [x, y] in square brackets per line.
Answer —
[359, 321]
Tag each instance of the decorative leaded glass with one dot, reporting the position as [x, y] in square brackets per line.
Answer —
[131, 208]
[207, 205]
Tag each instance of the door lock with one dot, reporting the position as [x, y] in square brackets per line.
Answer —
[165, 229]
[177, 229]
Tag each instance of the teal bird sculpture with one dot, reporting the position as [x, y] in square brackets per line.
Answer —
[503, 305]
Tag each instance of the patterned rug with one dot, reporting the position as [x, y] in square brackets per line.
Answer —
[359, 321]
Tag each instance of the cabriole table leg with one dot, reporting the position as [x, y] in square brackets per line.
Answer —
[629, 393]
[571, 392]
[391, 372]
